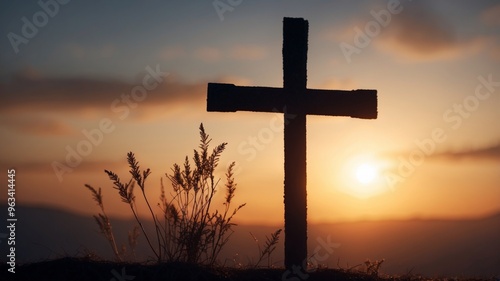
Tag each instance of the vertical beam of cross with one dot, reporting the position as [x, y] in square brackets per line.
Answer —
[295, 34]
[295, 101]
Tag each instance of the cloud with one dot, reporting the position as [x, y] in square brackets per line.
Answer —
[491, 16]
[236, 80]
[41, 106]
[58, 94]
[75, 50]
[212, 54]
[208, 54]
[338, 84]
[495, 52]
[29, 72]
[91, 98]
[47, 169]
[82, 52]
[419, 33]
[173, 52]
[39, 126]
[491, 152]
[241, 52]
[485, 153]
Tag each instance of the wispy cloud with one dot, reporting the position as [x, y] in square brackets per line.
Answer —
[491, 16]
[208, 54]
[212, 54]
[58, 94]
[32, 104]
[340, 84]
[419, 34]
[485, 153]
[495, 52]
[173, 52]
[84, 98]
[252, 52]
[491, 152]
[39, 126]
[69, 94]
[46, 167]
[84, 52]
[237, 80]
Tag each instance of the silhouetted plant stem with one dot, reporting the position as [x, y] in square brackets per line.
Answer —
[144, 232]
[190, 230]
[103, 221]
[141, 180]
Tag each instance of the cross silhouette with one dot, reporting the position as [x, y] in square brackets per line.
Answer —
[296, 101]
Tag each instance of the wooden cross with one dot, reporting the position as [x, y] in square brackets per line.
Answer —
[297, 101]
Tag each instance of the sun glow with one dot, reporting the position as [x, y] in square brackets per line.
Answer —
[362, 177]
[366, 173]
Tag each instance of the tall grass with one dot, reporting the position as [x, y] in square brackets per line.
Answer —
[269, 247]
[103, 222]
[189, 228]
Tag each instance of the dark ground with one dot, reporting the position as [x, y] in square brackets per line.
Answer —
[76, 269]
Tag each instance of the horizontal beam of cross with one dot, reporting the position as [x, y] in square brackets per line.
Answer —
[230, 98]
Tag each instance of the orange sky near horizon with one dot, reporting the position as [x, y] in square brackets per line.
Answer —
[433, 152]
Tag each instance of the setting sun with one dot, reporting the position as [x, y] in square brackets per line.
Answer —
[365, 180]
[366, 173]
[361, 176]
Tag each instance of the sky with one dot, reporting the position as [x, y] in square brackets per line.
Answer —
[84, 82]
